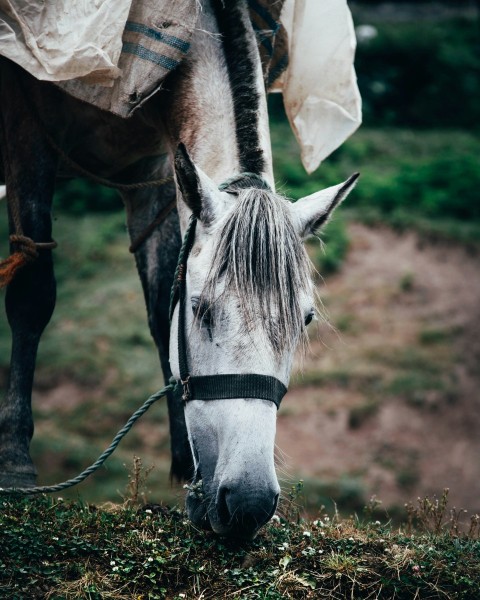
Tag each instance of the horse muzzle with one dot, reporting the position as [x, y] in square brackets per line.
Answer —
[232, 508]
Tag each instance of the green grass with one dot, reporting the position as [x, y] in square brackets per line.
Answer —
[59, 550]
[423, 180]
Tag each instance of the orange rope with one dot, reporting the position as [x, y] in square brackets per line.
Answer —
[27, 253]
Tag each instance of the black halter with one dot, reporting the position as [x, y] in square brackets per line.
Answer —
[214, 387]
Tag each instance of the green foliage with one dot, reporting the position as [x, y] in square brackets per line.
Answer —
[421, 73]
[442, 185]
[62, 550]
[423, 180]
[78, 196]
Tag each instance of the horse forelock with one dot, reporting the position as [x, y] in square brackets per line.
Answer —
[261, 261]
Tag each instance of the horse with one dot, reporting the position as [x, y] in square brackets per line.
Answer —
[245, 294]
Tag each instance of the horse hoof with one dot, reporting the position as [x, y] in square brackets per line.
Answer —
[17, 480]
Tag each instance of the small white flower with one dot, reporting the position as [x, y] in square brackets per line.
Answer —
[148, 511]
[276, 518]
[350, 539]
[182, 595]
[320, 551]
[377, 523]
[55, 538]
[112, 562]
[150, 559]
[307, 534]
[114, 568]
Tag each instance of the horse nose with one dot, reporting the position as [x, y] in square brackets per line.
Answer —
[242, 512]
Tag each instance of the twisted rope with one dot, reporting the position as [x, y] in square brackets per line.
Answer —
[180, 266]
[48, 489]
[26, 253]
[96, 178]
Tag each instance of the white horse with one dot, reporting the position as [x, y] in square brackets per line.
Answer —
[247, 290]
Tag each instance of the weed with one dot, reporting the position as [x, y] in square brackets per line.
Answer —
[431, 515]
[137, 479]
[372, 507]
[293, 502]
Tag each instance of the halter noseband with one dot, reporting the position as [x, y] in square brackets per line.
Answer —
[214, 387]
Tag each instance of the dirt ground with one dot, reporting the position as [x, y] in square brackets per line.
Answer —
[393, 291]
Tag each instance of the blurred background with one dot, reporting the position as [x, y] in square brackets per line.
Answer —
[386, 403]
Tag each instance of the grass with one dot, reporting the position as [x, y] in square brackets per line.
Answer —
[56, 549]
[423, 180]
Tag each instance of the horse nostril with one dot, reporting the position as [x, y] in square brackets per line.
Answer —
[275, 504]
[243, 515]
[222, 505]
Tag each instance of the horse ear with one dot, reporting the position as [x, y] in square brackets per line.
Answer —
[312, 212]
[197, 190]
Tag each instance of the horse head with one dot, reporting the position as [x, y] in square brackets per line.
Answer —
[248, 297]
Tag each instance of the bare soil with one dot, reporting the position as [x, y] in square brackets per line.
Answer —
[393, 292]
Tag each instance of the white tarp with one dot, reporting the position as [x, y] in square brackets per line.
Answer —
[57, 40]
[319, 87]
[79, 43]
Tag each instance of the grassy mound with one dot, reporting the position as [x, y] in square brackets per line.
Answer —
[54, 549]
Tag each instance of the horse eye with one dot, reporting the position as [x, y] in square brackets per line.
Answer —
[309, 317]
[202, 313]
[195, 305]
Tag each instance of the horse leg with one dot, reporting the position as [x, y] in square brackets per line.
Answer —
[156, 260]
[29, 169]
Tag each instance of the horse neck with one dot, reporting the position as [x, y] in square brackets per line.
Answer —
[220, 109]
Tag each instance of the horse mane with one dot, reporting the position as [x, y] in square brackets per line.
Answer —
[262, 261]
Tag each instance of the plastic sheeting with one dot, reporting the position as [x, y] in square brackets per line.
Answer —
[319, 87]
[77, 44]
[64, 39]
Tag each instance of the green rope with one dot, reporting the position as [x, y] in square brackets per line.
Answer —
[47, 489]
[181, 254]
